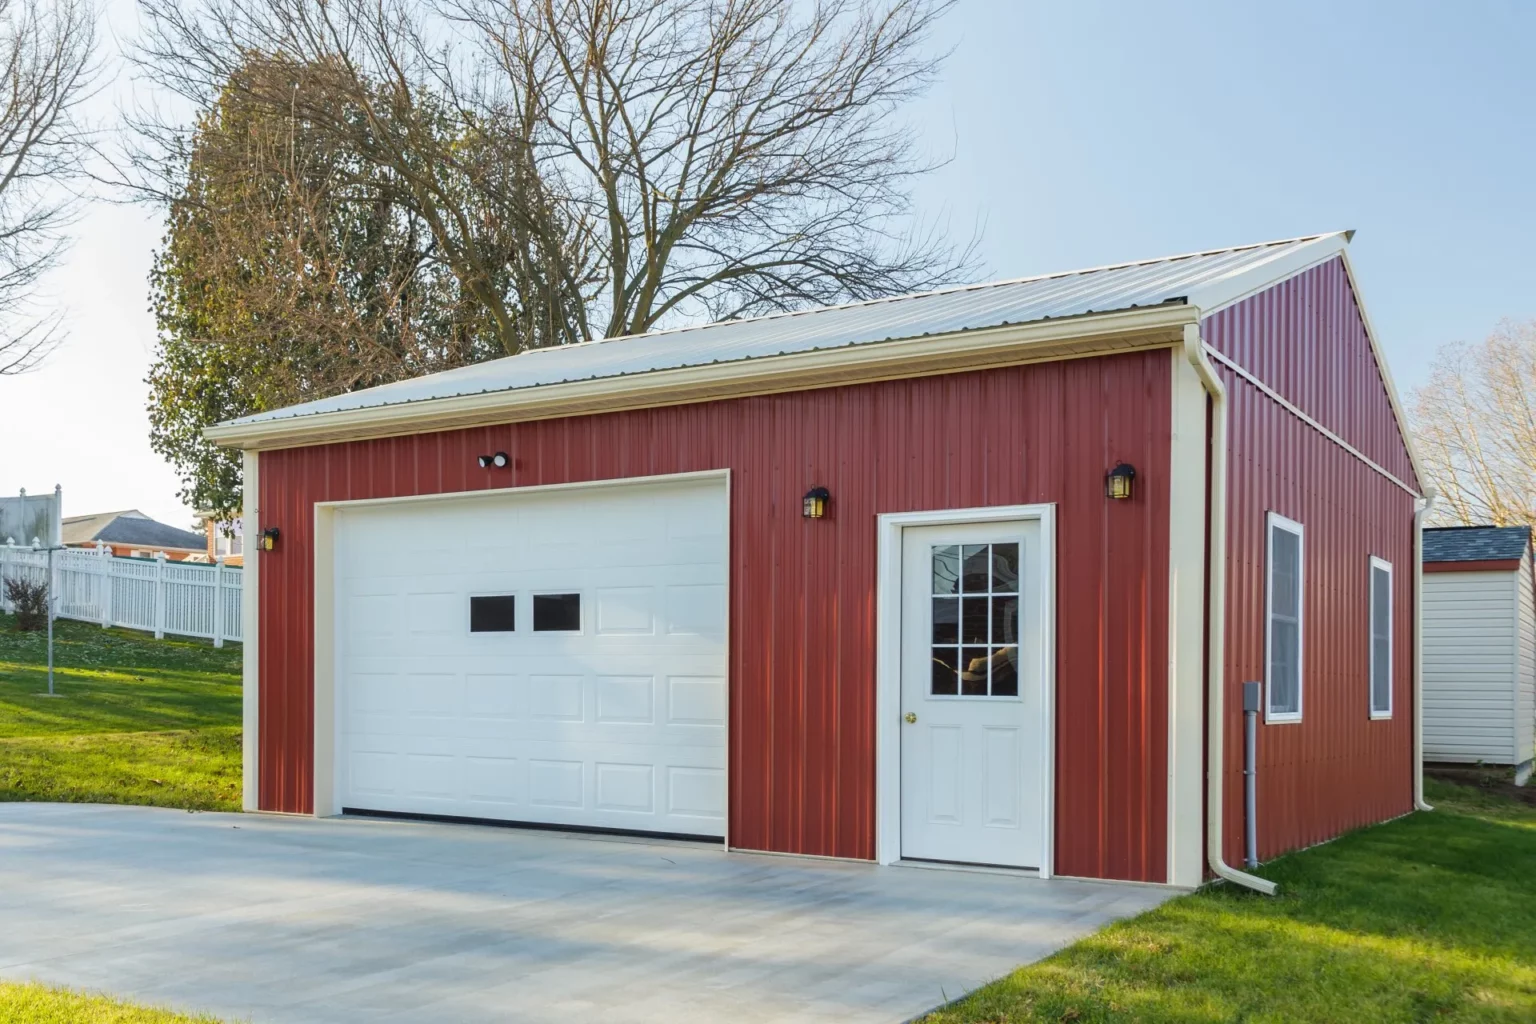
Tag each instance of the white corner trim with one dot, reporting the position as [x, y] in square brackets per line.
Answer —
[888, 603]
[250, 636]
[1186, 627]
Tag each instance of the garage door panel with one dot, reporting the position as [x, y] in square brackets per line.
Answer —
[621, 725]
[625, 700]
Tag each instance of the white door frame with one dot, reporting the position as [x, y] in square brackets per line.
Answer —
[326, 797]
[888, 603]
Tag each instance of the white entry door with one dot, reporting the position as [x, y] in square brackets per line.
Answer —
[552, 656]
[973, 740]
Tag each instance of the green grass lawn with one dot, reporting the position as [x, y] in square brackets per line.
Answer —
[1428, 918]
[139, 720]
[41, 1004]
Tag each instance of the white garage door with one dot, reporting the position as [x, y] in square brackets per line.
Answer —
[552, 656]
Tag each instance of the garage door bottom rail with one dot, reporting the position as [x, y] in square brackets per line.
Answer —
[540, 826]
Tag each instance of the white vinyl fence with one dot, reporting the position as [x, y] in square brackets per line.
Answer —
[155, 595]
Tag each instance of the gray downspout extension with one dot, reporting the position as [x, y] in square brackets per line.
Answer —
[1251, 773]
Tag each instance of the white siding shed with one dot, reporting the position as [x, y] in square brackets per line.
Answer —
[1480, 647]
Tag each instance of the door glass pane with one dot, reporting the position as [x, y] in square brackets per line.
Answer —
[1005, 672]
[1005, 620]
[946, 569]
[1005, 568]
[973, 625]
[975, 571]
[946, 620]
[976, 606]
[973, 671]
[946, 677]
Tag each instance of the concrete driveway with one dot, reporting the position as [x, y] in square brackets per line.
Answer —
[293, 919]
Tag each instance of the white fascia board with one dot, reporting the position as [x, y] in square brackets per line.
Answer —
[1386, 373]
[981, 348]
[1287, 262]
[1219, 294]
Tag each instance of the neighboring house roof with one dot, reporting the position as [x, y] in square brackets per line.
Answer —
[1185, 286]
[1476, 543]
[130, 527]
[83, 529]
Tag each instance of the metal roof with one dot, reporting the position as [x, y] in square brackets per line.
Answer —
[1476, 543]
[1206, 280]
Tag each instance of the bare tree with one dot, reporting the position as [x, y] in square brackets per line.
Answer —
[612, 165]
[46, 71]
[1475, 424]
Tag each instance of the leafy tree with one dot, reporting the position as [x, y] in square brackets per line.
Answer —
[290, 270]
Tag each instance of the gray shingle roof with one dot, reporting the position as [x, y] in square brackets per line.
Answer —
[130, 527]
[1475, 543]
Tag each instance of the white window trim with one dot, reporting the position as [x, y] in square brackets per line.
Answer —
[1273, 522]
[1378, 563]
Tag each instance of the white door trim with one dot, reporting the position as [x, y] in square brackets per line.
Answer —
[888, 664]
[326, 802]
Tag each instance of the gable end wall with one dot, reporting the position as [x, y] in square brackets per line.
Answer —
[1337, 768]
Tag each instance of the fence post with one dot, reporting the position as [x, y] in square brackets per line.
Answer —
[218, 602]
[104, 576]
[159, 595]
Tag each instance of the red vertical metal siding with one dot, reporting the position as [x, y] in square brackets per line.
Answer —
[1305, 338]
[1337, 769]
[803, 593]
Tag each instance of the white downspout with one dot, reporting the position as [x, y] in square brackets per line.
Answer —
[1418, 648]
[1194, 350]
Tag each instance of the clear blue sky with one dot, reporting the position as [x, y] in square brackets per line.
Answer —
[1081, 133]
[1089, 132]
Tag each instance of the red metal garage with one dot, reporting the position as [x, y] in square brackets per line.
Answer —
[971, 431]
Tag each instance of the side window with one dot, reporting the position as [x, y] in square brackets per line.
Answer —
[1381, 639]
[557, 613]
[493, 613]
[1282, 641]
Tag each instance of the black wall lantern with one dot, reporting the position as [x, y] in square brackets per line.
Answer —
[499, 460]
[816, 501]
[1117, 482]
[269, 538]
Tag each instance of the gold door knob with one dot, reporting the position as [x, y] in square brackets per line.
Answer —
[910, 717]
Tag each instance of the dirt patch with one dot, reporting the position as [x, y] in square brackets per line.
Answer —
[1497, 780]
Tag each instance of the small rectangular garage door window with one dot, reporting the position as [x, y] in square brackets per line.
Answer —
[495, 613]
[557, 613]
[1381, 639]
[1283, 635]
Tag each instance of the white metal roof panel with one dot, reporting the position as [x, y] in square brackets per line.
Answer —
[1206, 279]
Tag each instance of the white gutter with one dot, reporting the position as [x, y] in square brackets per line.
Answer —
[1194, 351]
[1418, 649]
